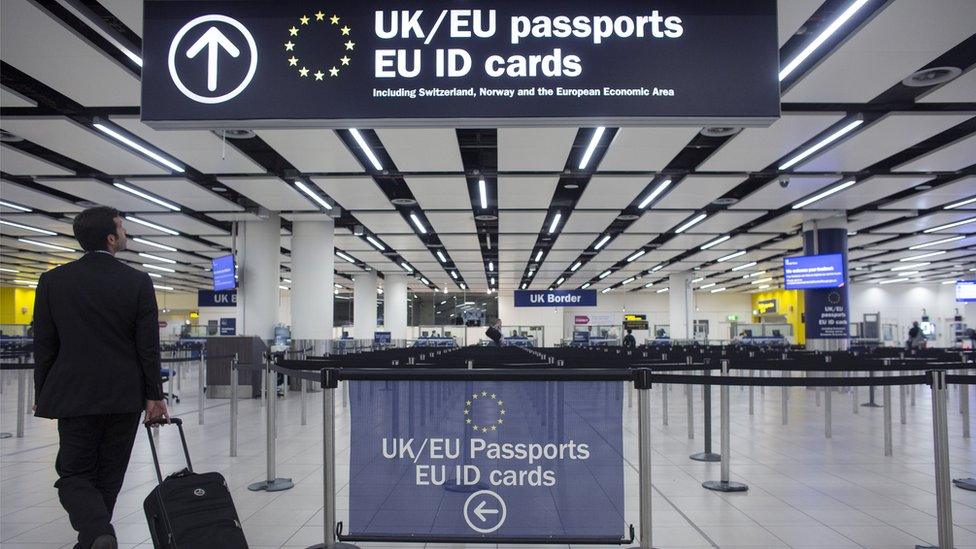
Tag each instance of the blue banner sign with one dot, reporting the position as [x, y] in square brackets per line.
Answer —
[813, 271]
[382, 338]
[479, 459]
[581, 339]
[228, 326]
[555, 298]
[210, 298]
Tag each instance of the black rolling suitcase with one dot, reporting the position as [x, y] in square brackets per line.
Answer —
[189, 510]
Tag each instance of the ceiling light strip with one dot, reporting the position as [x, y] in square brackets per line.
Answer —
[820, 196]
[366, 149]
[146, 196]
[591, 148]
[834, 26]
[139, 147]
[821, 144]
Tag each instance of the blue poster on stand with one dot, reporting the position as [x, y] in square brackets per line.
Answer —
[498, 459]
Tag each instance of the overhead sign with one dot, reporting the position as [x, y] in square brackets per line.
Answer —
[228, 326]
[598, 319]
[813, 271]
[966, 290]
[478, 460]
[282, 63]
[581, 338]
[635, 322]
[766, 306]
[555, 298]
[210, 298]
[224, 273]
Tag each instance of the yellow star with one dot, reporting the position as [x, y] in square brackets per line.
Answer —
[303, 71]
[345, 30]
[319, 16]
[289, 46]
[350, 45]
[293, 31]
[304, 19]
[319, 75]
[293, 61]
[333, 71]
[344, 59]
[334, 19]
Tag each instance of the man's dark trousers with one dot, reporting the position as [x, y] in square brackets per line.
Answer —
[91, 465]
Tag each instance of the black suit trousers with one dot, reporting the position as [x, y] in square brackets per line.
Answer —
[92, 459]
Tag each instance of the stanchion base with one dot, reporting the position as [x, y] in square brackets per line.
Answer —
[276, 485]
[872, 405]
[706, 456]
[5, 435]
[337, 545]
[720, 486]
[965, 483]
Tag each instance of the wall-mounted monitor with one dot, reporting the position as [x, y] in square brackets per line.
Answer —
[811, 272]
[966, 290]
[223, 273]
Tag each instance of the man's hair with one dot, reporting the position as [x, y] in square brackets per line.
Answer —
[93, 226]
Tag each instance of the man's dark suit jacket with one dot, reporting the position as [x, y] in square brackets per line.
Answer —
[96, 339]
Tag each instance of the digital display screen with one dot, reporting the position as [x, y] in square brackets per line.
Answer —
[223, 273]
[966, 290]
[814, 271]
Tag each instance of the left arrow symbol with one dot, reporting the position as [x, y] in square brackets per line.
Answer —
[212, 40]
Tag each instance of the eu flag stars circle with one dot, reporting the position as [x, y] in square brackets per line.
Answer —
[314, 45]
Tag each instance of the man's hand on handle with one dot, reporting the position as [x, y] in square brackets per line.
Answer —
[156, 411]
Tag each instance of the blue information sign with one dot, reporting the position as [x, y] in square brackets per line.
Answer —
[223, 273]
[382, 338]
[555, 298]
[581, 339]
[228, 326]
[210, 298]
[813, 271]
[532, 459]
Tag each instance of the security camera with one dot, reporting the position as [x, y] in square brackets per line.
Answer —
[784, 181]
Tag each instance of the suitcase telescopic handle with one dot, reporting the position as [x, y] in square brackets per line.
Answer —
[152, 445]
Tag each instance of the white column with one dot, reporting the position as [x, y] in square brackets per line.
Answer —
[681, 301]
[259, 243]
[312, 276]
[364, 306]
[395, 305]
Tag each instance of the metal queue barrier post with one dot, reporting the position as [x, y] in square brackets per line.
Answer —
[690, 394]
[642, 384]
[871, 403]
[201, 388]
[725, 484]
[964, 404]
[21, 400]
[887, 421]
[330, 381]
[940, 431]
[664, 402]
[273, 483]
[233, 406]
[707, 455]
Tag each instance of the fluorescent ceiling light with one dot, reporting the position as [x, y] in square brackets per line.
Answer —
[576, 266]
[492, 281]
[657, 268]
[699, 279]
[146, 196]
[491, 267]
[950, 225]
[376, 243]
[483, 194]
[821, 144]
[648, 285]
[605, 274]
[454, 275]
[890, 281]
[743, 266]
[629, 280]
[821, 38]
[139, 147]
[601, 242]
[158, 268]
[6, 270]
[706, 286]
[585, 286]
[14, 206]
[635, 256]
[908, 273]
[717, 290]
[18, 281]
[944, 282]
[463, 287]
[694, 221]
[154, 275]
[605, 290]
[922, 256]
[757, 273]
[525, 285]
[555, 222]
[715, 242]
[594, 141]
[731, 256]
[440, 255]
[313, 195]
[418, 223]
[761, 280]
[406, 267]
[960, 203]
[531, 272]
[346, 257]
[28, 228]
[44, 245]
[169, 288]
[561, 280]
[764, 286]
[156, 258]
[154, 244]
[538, 255]
[655, 193]
[936, 242]
[820, 196]
[365, 148]
[286, 287]
[152, 225]
[662, 290]
[911, 266]
[425, 281]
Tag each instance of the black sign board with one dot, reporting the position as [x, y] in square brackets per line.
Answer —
[281, 63]
[766, 306]
[635, 322]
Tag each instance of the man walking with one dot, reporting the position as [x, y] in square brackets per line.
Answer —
[96, 354]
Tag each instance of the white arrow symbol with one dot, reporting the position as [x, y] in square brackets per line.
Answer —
[480, 511]
[211, 40]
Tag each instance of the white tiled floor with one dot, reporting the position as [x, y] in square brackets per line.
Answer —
[805, 491]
